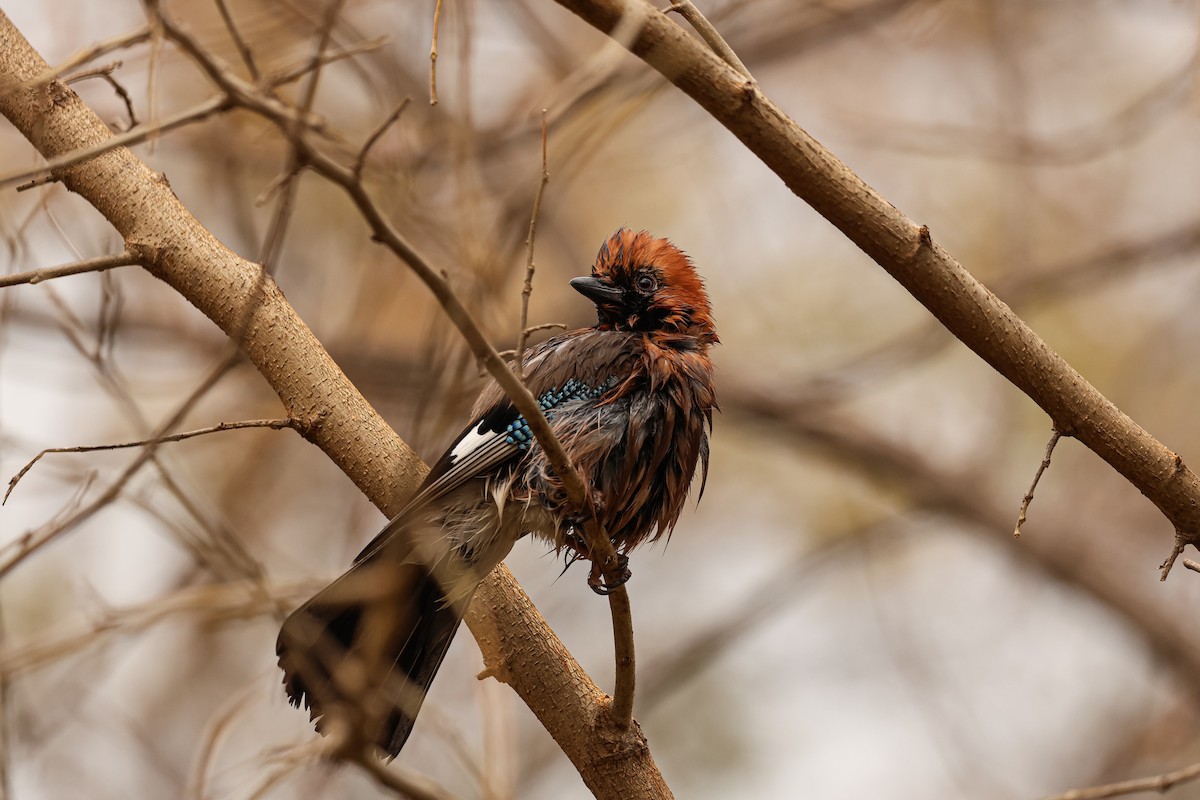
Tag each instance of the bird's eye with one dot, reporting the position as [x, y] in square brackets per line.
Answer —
[645, 284]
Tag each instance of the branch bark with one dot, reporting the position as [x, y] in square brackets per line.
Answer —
[330, 412]
[909, 254]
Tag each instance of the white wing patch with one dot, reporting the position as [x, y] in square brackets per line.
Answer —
[480, 450]
[471, 440]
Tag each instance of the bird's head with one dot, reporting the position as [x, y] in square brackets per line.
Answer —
[640, 283]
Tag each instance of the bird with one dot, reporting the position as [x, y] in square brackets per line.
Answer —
[631, 399]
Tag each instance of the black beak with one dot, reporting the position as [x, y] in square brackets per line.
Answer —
[596, 290]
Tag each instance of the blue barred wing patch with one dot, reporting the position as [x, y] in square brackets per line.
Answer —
[497, 437]
[518, 433]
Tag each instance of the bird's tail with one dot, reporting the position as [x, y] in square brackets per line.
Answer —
[362, 653]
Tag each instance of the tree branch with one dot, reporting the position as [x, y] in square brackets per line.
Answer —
[98, 264]
[910, 255]
[1158, 783]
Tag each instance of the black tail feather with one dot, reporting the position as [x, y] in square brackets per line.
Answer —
[368, 647]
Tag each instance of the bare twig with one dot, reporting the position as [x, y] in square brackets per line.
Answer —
[242, 599]
[106, 73]
[437, 19]
[1055, 435]
[84, 56]
[33, 541]
[275, 80]
[546, 326]
[361, 159]
[687, 9]
[527, 289]
[400, 782]
[156, 45]
[217, 727]
[286, 761]
[5, 717]
[1194, 566]
[275, 424]
[198, 112]
[1158, 783]
[35, 276]
[273, 242]
[238, 42]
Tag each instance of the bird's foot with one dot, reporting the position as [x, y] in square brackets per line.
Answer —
[601, 585]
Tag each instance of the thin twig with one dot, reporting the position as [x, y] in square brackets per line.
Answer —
[35, 540]
[213, 105]
[296, 162]
[106, 73]
[278, 79]
[1055, 435]
[437, 18]
[156, 43]
[238, 42]
[217, 727]
[5, 724]
[546, 326]
[275, 424]
[1158, 783]
[527, 289]
[401, 782]
[361, 159]
[36, 276]
[510, 354]
[239, 599]
[289, 760]
[84, 56]
[271, 189]
[687, 9]
[1181, 542]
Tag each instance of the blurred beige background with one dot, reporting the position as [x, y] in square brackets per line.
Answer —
[846, 614]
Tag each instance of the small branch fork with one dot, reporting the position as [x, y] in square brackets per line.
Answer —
[361, 160]
[1055, 435]
[275, 424]
[16, 552]
[687, 9]
[106, 74]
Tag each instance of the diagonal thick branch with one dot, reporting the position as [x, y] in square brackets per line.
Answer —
[909, 254]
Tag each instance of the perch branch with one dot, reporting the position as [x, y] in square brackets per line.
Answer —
[914, 259]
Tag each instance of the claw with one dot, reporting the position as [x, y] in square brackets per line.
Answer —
[600, 585]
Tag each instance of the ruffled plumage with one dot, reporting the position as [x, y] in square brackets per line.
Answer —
[631, 401]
